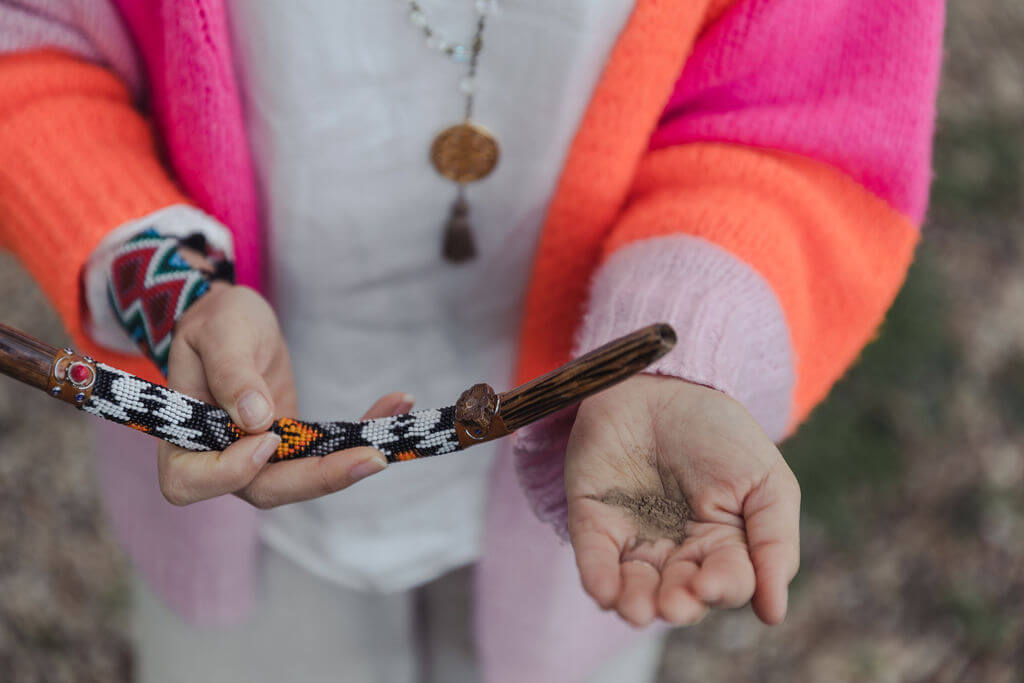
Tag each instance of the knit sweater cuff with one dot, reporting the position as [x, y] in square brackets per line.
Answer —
[101, 320]
[732, 337]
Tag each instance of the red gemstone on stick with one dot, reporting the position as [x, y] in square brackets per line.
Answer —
[79, 373]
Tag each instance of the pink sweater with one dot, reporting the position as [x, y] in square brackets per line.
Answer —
[847, 82]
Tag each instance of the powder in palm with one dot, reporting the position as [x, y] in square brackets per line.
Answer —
[655, 517]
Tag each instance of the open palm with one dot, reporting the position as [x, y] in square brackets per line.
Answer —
[653, 451]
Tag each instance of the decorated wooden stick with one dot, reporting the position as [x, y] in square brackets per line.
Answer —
[479, 415]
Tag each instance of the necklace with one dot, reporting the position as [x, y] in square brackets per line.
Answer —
[465, 152]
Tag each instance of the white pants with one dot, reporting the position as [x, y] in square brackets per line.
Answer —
[308, 630]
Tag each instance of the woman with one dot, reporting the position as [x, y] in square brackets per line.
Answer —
[752, 172]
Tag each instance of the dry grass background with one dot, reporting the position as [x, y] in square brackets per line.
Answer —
[913, 470]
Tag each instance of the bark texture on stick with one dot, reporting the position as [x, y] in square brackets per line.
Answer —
[25, 358]
[601, 368]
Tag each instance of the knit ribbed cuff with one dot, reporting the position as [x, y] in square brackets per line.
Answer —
[732, 337]
[102, 323]
[731, 329]
[91, 30]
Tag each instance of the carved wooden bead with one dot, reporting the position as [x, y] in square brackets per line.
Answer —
[475, 409]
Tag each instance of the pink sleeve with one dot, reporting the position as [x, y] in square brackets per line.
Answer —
[89, 29]
[731, 336]
[850, 83]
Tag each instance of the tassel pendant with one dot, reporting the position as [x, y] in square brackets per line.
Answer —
[463, 153]
[459, 245]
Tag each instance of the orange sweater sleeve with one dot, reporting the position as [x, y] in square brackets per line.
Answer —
[798, 140]
[834, 254]
[78, 161]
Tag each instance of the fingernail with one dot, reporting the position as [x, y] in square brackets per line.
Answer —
[266, 449]
[368, 467]
[253, 409]
[405, 404]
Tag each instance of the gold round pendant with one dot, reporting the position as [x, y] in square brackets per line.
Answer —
[464, 153]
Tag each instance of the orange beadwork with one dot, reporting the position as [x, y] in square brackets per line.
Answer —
[295, 438]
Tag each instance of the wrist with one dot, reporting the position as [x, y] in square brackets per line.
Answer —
[732, 334]
[154, 279]
[99, 317]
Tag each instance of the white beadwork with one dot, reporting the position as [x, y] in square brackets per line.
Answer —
[194, 425]
[181, 436]
[129, 391]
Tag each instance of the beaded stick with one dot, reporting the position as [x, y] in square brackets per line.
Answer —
[479, 414]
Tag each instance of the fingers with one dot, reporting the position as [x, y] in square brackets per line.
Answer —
[295, 480]
[185, 371]
[597, 557]
[187, 477]
[659, 579]
[307, 478]
[681, 590]
[640, 581]
[772, 515]
[390, 404]
[219, 372]
[676, 604]
[626, 582]
[228, 351]
[725, 578]
[596, 533]
[615, 570]
[642, 564]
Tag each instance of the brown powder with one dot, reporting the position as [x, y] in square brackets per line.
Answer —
[655, 517]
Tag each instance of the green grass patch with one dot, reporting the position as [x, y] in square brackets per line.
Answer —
[986, 626]
[1008, 388]
[852, 449]
[978, 167]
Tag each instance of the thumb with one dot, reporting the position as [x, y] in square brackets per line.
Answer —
[772, 518]
[229, 362]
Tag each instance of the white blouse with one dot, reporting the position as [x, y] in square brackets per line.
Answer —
[343, 100]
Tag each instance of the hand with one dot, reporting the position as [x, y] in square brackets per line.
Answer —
[228, 350]
[667, 442]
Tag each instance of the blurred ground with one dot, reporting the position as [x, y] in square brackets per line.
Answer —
[912, 471]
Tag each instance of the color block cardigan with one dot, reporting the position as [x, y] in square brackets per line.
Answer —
[754, 171]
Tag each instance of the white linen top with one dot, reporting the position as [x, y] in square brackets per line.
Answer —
[343, 100]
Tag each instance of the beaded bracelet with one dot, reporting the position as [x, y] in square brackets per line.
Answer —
[150, 287]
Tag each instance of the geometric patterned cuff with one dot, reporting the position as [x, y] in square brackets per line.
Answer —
[151, 286]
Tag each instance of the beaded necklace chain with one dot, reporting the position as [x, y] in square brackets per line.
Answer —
[465, 152]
